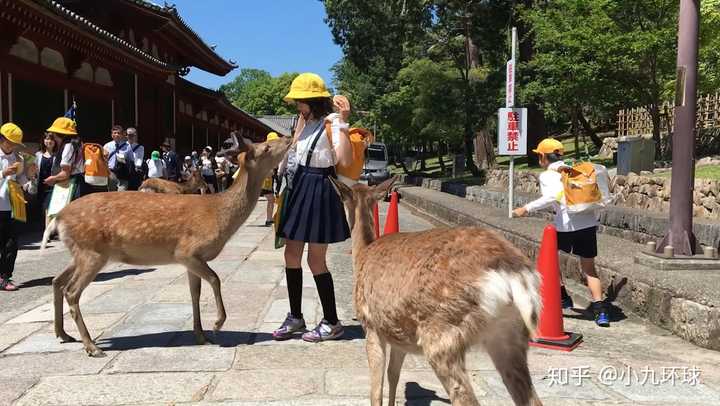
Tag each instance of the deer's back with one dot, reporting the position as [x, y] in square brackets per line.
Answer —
[406, 279]
[137, 220]
[162, 186]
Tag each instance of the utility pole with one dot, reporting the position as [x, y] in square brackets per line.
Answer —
[680, 234]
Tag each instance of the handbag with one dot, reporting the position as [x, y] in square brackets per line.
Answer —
[61, 196]
[279, 217]
[17, 201]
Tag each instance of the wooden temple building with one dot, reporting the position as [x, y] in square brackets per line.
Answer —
[123, 62]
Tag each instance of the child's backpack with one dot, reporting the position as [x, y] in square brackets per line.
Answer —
[359, 139]
[585, 187]
[96, 167]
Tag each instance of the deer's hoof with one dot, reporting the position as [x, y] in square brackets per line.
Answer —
[218, 325]
[95, 352]
[202, 339]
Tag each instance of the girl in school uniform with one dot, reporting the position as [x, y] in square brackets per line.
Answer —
[45, 159]
[315, 214]
[69, 164]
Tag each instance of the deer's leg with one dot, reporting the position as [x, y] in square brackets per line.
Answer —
[375, 347]
[506, 341]
[397, 356]
[88, 264]
[201, 269]
[59, 282]
[195, 286]
[446, 355]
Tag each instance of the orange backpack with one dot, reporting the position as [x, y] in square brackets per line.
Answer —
[96, 167]
[359, 140]
[585, 187]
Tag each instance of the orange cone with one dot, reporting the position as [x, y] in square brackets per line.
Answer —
[551, 333]
[392, 222]
[376, 218]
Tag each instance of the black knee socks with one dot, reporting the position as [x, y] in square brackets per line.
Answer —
[326, 291]
[294, 279]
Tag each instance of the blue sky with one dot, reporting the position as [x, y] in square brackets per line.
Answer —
[275, 35]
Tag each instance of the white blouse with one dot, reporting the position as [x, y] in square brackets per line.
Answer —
[324, 153]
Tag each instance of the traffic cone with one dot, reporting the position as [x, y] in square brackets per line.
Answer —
[376, 218]
[391, 221]
[550, 333]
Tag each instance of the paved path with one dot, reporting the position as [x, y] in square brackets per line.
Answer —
[142, 319]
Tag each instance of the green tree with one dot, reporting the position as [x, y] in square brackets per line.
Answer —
[257, 92]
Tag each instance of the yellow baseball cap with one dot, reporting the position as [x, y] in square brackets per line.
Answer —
[307, 86]
[550, 146]
[272, 136]
[63, 126]
[12, 133]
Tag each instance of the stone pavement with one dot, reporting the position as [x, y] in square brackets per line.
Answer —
[142, 319]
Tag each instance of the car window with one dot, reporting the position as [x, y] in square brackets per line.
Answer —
[376, 154]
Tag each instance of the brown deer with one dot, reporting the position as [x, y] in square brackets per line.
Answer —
[440, 292]
[194, 183]
[184, 229]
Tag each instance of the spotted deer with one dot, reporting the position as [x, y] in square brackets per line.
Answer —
[194, 184]
[166, 229]
[439, 293]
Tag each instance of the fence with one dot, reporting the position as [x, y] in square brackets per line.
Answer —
[637, 121]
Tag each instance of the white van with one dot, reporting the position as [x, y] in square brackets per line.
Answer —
[375, 170]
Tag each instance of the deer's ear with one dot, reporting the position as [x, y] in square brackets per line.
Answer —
[380, 191]
[342, 190]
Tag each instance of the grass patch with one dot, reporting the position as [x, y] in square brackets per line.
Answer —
[711, 172]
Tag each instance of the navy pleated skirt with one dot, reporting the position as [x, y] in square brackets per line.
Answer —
[315, 212]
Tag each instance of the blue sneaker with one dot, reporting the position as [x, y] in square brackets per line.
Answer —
[602, 317]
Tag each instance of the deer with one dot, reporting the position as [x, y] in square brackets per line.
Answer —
[189, 230]
[439, 293]
[193, 184]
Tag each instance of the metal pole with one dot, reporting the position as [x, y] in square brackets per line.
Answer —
[680, 235]
[509, 103]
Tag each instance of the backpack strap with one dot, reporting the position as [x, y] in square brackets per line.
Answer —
[136, 147]
[314, 143]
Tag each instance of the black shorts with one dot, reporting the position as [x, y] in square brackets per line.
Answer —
[582, 243]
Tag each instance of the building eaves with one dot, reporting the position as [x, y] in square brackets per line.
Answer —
[116, 41]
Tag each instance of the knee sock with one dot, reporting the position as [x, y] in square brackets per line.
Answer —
[294, 279]
[326, 291]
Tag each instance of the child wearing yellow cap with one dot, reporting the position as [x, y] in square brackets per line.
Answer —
[12, 204]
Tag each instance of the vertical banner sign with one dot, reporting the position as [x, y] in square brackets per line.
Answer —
[510, 83]
[512, 132]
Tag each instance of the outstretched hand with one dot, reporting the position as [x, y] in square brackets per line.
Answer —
[520, 212]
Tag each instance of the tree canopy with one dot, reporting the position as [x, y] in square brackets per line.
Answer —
[259, 93]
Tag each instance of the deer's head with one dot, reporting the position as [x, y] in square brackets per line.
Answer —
[360, 198]
[258, 160]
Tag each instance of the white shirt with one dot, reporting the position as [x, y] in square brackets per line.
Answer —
[7, 160]
[125, 151]
[207, 168]
[156, 168]
[77, 165]
[324, 153]
[139, 154]
[550, 187]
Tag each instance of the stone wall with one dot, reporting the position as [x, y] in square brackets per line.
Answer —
[645, 192]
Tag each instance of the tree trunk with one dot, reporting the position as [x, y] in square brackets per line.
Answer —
[589, 130]
[440, 158]
[423, 168]
[575, 132]
[655, 117]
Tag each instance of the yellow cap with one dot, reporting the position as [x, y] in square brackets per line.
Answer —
[272, 136]
[550, 146]
[64, 126]
[12, 133]
[307, 86]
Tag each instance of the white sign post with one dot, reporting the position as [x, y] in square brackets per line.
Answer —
[512, 131]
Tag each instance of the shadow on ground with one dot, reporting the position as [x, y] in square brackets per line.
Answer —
[47, 281]
[416, 395]
[186, 338]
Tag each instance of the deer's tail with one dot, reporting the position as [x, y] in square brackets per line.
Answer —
[520, 288]
[49, 230]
